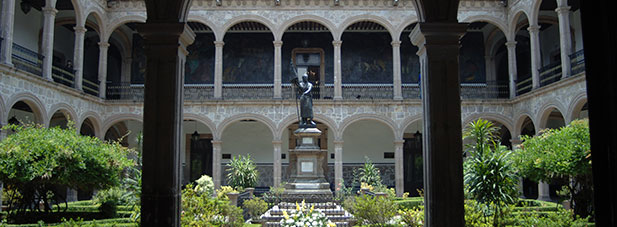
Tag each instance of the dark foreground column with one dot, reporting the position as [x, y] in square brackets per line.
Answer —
[438, 45]
[166, 50]
[599, 38]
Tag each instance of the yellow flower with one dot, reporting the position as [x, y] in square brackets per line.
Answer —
[312, 208]
[297, 206]
[330, 224]
[303, 205]
[285, 215]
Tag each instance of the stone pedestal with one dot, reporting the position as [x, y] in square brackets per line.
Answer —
[308, 165]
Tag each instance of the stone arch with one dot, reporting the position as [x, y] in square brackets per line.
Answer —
[79, 11]
[201, 119]
[95, 119]
[114, 24]
[66, 109]
[38, 109]
[407, 122]
[245, 116]
[365, 17]
[118, 118]
[100, 20]
[317, 19]
[575, 106]
[545, 111]
[350, 120]
[513, 23]
[286, 122]
[518, 126]
[215, 29]
[504, 120]
[245, 18]
[489, 19]
[535, 11]
[398, 31]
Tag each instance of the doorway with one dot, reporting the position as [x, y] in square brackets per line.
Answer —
[200, 153]
[412, 164]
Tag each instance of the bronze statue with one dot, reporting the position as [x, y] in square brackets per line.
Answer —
[306, 100]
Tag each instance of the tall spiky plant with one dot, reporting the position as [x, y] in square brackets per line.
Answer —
[242, 172]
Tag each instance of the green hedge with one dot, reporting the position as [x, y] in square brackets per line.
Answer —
[117, 222]
[409, 203]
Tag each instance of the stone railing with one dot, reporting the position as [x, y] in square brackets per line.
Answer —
[319, 92]
[27, 60]
[247, 91]
[577, 63]
[489, 90]
[367, 91]
[63, 75]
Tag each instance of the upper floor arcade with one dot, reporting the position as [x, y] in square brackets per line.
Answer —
[359, 50]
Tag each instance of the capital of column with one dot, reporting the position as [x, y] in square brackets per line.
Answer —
[104, 45]
[511, 44]
[80, 29]
[50, 11]
[219, 43]
[338, 142]
[395, 43]
[278, 43]
[533, 28]
[216, 142]
[277, 142]
[399, 142]
[563, 9]
[337, 43]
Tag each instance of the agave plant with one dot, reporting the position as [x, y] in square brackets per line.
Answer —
[242, 172]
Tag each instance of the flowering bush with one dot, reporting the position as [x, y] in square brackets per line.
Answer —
[305, 217]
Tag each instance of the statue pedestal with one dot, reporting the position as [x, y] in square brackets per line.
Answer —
[308, 165]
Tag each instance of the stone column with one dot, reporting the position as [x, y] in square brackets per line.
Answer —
[218, 69]
[338, 86]
[338, 164]
[49, 15]
[216, 162]
[398, 167]
[536, 62]
[511, 45]
[543, 191]
[276, 165]
[8, 18]
[277, 69]
[396, 70]
[103, 47]
[166, 53]
[71, 195]
[491, 77]
[438, 45]
[565, 37]
[78, 56]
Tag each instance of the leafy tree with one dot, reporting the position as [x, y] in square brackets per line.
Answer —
[561, 153]
[36, 161]
[489, 173]
[242, 172]
[368, 174]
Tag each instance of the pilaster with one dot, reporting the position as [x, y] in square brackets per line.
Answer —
[276, 168]
[338, 86]
[338, 164]
[565, 38]
[438, 45]
[8, 18]
[396, 70]
[218, 69]
[78, 56]
[398, 167]
[277, 69]
[103, 47]
[543, 191]
[217, 152]
[511, 46]
[536, 62]
[49, 15]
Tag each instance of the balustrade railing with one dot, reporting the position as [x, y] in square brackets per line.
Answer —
[27, 60]
[550, 74]
[489, 90]
[319, 92]
[577, 63]
[524, 86]
[125, 91]
[91, 87]
[411, 91]
[248, 91]
[367, 91]
[63, 75]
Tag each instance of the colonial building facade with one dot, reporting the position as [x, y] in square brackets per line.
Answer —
[521, 66]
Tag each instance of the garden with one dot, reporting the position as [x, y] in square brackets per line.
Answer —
[38, 164]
